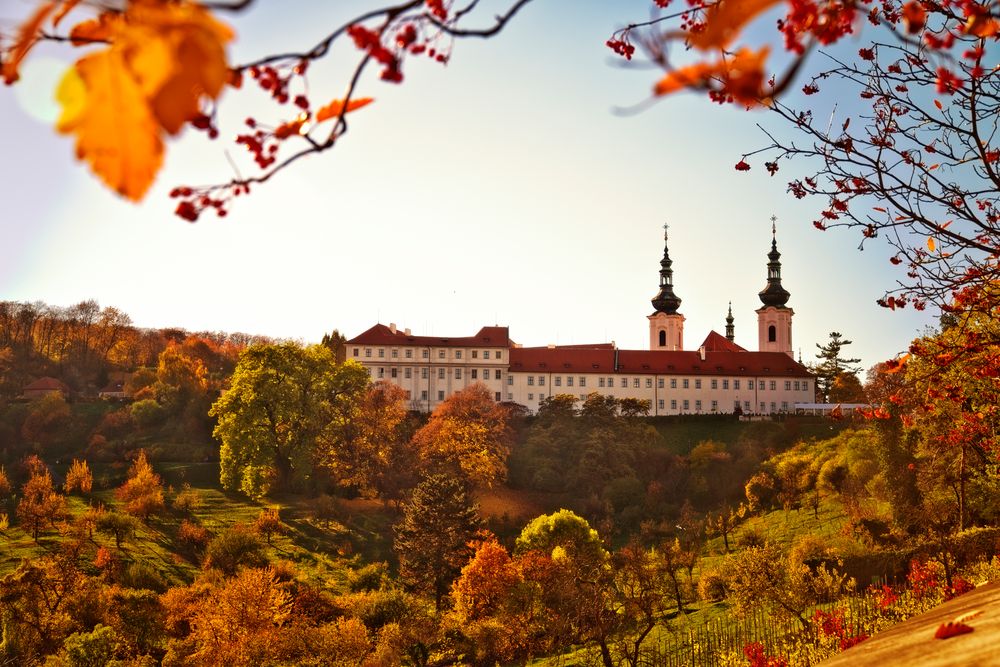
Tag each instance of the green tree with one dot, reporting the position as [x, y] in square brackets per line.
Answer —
[337, 342]
[237, 547]
[433, 538]
[120, 526]
[280, 400]
[832, 365]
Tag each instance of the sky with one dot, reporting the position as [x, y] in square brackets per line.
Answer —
[499, 189]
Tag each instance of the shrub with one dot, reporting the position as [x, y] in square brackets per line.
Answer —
[193, 535]
[973, 545]
[371, 577]
[188, 500]
[712, 586]
[143, 576]
[751, 537]
[147, 412]
[237, 547]
[268, 524]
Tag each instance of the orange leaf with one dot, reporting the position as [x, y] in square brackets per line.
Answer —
[741, 76]
[930, 244]
[938, 104]
[67, 7]
[685, 77]
[933, 167]
[725, 20]
[27, 37]
[948, 630]
[288, 129]
[879, 209]
[336, 107]
[115, 132]
[982, 25]
[101, 29]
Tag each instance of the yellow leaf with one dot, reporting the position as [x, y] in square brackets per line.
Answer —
[103, 106]
[725, 20]
[104, 28]
[27, 37]
[336, 107]
[930, 244]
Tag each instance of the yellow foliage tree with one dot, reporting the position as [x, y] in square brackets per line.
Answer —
[79, 478]
[142, 492]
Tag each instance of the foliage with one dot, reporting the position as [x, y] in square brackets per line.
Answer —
[142, 492]
[147, 412]
[268, 523]
[78, 478]
[120, 526]
[433, 538]
[832, 368]
[469, 434]
[233, 549]
[90, 649]
[280, 400]
[39, 503]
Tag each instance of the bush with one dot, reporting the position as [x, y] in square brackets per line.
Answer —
[143, 576]
[193, 535]
[973, 545]
[712, 586]
[809, 548]
[188, 500]
[237, 547]
[751, 537]
[369, 578]
[147, 412]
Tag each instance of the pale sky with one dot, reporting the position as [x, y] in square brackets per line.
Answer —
[501, 189]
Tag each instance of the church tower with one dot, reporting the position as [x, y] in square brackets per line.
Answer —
[730, 329]
[774, 319]
[666, 325]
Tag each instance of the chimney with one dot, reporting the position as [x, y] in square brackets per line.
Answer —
[701, 352]
[551, 346]
[406, 331]
[392, 327]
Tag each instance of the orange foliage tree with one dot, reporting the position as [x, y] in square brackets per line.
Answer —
[78, 478]
[39, 503]
[142, 492]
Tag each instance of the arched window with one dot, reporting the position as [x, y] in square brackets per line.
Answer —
[772, 334]
[663, 338]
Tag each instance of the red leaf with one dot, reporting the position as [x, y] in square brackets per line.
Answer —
[948, 630]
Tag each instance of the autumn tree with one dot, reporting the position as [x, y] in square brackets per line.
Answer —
[122, 527]
[39, 504]
[433, 538]
[35, 608]
[468, 434]
[142, 491]
[268, 523]
[78, 478]
[832, 365]
[281, 399]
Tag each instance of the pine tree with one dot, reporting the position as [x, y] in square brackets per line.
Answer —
[433, 538]
[831, 364]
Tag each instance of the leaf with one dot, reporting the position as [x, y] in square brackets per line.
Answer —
[968, 616]
[67, 7]
[100, 29]
[685, 77]
[933, 167]
[982, 25]
[116, 134]
[336, 107]
[27, 37]
[725, 20]
[938, 104]
[879, 209]
[740, 76]
[930, 244]
[948, 630]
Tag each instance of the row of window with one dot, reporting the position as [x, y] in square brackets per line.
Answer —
[762, 385]
[685, 404]
[440, 395]
[425, 353]
[441, 373]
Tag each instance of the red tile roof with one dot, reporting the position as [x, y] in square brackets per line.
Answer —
[47, 384]
[568, 359]
[716, 342]
[383, 335]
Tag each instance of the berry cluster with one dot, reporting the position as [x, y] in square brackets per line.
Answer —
[371, 41]
[194, 202]
[274, 82]
[621, 46]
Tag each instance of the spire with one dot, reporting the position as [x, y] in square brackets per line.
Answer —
[774, 294]
[730, 329]
[665, 300]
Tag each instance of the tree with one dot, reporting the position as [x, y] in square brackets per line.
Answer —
[337, 342]
[236, 548]
[469, 433]
[280, 399]
[39, 503]
[433, 538]
[832, 365]
[78, 477]
[142, 492]
[122, 527]
[268, 523]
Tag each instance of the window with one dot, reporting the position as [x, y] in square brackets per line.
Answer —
[772, 334]
[611, 382]
[760, 384]
[558, 380]
[486, 374]
[583, 397]
[772, 385]
[458, 354]
[440, 374]
[736, 406]
[649, 383]
[774, 408]
[510, 396]
[368, 352]
[660, 403]
[355, 352]
[393, 372]
[531, 397]
[725, 384]
[635, 382]
[673, 383]
[697, 383]
[395, 353]
[624, 383]
[797, 383]
[497, 397]
[687, 404]
[424, 354]
[496, 374]
[531, 380]
[600, 382]
[715, 383]
[475, 354]
[381, 372]
[408, 394]
[697, 406]
[458, 373]
[440, 354]
[736, 384]
[788, 385]
[541, 380]
[498, 355]
[746, 406]
[715, 406]
[510, 379]
[381, 353]
[569, 380]
[486, 354]
[784, 406]
[663, 338]
[474, 373]
[763, 407]
[423, 373]
[408, 373]
[673, 404]
[659, 383]
[583, 381]
[687, 383]
[409, 353]
[440, 395]
[423, 395]
[805, 385]
[541, 397]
